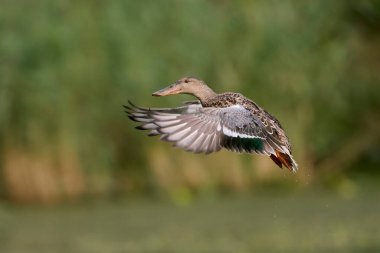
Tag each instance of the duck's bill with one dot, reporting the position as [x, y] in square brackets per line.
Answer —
[170, 90]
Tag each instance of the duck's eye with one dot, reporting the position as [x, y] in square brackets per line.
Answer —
[187, 81]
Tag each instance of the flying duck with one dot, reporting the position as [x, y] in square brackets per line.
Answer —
[215, 121]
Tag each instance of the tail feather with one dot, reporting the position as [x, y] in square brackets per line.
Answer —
[284, 159]
[276, 160]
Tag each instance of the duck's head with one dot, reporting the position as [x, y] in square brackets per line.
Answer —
[186, 85]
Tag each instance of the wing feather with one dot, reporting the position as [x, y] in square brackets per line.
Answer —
[206, 129]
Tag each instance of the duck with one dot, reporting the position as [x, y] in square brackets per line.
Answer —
[215, 121]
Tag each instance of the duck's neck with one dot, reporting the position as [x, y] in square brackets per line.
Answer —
[205, 95]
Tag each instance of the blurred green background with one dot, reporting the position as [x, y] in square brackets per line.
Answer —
[77, 177]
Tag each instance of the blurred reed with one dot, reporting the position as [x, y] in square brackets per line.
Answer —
[67, 67]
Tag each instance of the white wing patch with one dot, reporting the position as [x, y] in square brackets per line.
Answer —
[231, 133]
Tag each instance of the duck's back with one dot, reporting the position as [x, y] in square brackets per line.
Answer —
[228, 99]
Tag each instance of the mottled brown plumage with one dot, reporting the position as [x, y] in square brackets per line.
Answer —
[226, 120]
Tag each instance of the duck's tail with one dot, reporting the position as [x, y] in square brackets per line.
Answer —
[284, 159]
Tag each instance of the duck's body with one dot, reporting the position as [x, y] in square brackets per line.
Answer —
[227, 120]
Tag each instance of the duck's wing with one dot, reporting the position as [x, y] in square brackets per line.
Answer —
[208, 129]
[198, 129]
[257, 131]
[190, 127]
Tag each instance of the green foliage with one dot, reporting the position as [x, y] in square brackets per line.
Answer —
[66, 68]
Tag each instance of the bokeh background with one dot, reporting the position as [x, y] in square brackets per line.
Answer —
[77, 177]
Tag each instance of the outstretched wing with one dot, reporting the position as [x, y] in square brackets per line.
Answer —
[205, 129]
[208, 129]
[190, 127]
